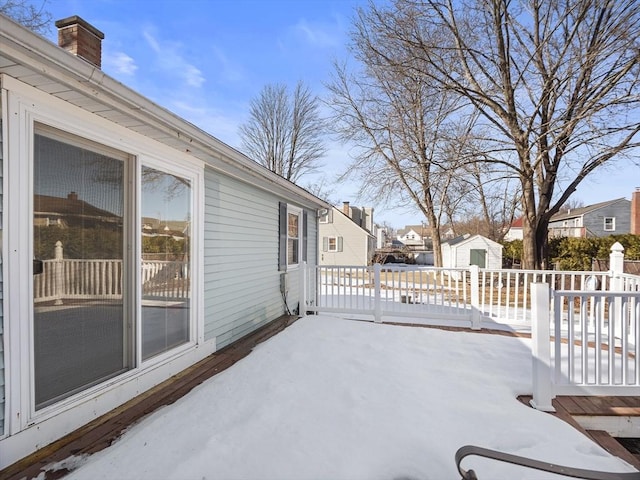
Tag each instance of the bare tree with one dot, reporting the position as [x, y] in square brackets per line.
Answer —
[284, 132]
[484, 204]
[24, 12]
[404, 135]
[556, 82]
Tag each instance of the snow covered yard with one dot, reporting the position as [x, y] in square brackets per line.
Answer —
[336, 399]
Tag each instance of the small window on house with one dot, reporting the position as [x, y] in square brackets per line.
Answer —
[293, 244]
[609, 224]
[331, 244]
[293, 238]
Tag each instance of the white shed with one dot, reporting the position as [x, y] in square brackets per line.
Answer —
[469, 249]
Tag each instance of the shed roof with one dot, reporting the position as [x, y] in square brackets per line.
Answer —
[467, 237]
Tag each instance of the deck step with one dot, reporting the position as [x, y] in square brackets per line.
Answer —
[614, 447]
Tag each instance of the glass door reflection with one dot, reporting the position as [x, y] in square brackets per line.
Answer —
[166, 261]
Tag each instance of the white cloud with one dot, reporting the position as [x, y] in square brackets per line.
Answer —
[319, 35]
[121, 63]
[228, 71]
[171, 61]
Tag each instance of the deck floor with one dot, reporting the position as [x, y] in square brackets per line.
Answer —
[103, 431]
[570, 407]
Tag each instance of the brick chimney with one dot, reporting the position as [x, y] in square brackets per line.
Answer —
[80, 38]
[635, 212]
[345, 209]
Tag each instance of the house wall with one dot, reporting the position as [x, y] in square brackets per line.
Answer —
[357, 244]
[594, 221]
[241, 277]
[235, 268]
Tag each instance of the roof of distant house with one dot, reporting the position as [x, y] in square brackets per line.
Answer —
[577, 212]
[416, 228]
[70, 205]
[517, 223]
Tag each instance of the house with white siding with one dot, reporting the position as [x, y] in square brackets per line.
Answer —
[133, 243]
[347, 236]
[413, 236]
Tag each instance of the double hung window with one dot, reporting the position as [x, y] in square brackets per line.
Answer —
[609, 224]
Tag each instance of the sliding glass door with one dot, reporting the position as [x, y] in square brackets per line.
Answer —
[81, 330]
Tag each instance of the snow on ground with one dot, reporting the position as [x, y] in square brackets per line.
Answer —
[340, 399]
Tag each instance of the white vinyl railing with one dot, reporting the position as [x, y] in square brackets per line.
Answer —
[70, 279]
[432, 293]
[588, 345]
[389, 290]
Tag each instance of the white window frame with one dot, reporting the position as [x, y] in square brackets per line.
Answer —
[166, 166]
[335, 245]
[613, 224]
[23, 108]
[291, 210]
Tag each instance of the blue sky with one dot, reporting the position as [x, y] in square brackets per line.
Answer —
[206, 59]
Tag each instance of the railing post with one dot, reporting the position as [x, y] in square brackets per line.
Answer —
[541, 348]
[474, 272]
[58, 277]
[304, 285]
[377, 302]
[616, 267]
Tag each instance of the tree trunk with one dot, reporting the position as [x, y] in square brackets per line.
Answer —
[530, 252]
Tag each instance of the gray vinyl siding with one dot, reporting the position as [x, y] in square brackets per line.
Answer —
[594, 221]
[2, 361]
[241, 277]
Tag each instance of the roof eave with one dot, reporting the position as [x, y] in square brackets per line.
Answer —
[50, 60]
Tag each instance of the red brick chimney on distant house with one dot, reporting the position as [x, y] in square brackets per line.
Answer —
[80, 38]
[635, 212]
[346, 210]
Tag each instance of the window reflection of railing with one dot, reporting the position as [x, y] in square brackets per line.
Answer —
[167, 279]
[69, 279]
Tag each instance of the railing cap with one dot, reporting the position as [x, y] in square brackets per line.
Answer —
[617, 247]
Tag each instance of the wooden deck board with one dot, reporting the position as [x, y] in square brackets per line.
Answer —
[569, 407]
[103, 431]
[601, 406]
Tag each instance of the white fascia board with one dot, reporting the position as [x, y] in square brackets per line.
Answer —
[47, 59]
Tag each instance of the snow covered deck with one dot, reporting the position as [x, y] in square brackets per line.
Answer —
[321, 389]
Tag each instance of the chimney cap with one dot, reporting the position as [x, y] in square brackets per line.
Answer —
[76, 20]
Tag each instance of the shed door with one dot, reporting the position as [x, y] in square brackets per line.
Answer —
[478, 257]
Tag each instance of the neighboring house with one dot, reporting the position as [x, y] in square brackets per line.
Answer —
[413, 236]
[382, 237]
[515, 231]
[346, 237]
[465, 250]
[89, 317]
[599, 220]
